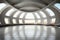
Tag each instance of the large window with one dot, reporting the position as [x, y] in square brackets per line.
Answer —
[53, 20]
[2, 5]
[20, 21]
[29, 16]
[57, 5]
[7, 20]
[45, 21]
[30, 21]
[22, 15]
[9, 12]
[16, 14]
[37, 15]
[50, 12]
[43, 14]
[14, 21]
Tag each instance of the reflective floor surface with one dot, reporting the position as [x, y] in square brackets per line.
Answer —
[29, 32]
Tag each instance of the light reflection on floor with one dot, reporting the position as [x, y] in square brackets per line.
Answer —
[30, 32]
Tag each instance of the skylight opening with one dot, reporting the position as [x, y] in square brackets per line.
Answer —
[20, 21]
[22, 15]
[9, 12]
[50, 12]
[2, 5]
[16, 14]
[45, 21]
[43, 14]
[37, 15]
[29, 21]
[38, 22]
[57, 5]
[6, 20]
[53, 20]
[29, 16]
[14, 21]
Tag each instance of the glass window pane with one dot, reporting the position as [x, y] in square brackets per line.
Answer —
[53, 20]
[9, 12]
[50, 12]
[30, 21]
[22, 15]
[14, 21]
[7, 20]
[29, 16]
[37, 15]
[43, 14]
[16, 14]
[2, 5]
[45, 21]
[57, 5]
[20, 21]
[38, 21]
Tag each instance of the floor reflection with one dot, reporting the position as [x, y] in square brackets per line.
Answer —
[30, 32]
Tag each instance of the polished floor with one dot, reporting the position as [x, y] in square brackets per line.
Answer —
[28, 32]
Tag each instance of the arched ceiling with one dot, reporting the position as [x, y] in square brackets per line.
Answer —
[32, 4]
[12, 15]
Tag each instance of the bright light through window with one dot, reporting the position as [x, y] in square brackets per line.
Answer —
[29, 16]
[57, 5]
[43, 14]
[16, 14]
[20, 21]
[38, 21]
[22, 15]
[7, 20]
[9, 12]
[14, 21]
[2, 5]
[45, 21]
[50, 12]
[53, 20]
[30, 21]
[37, 15]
